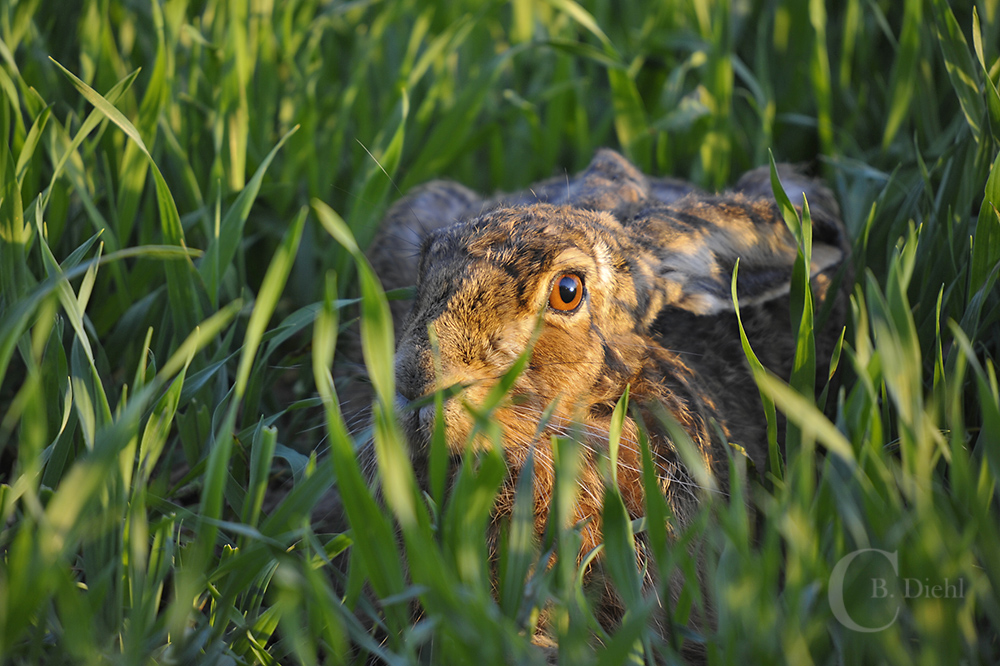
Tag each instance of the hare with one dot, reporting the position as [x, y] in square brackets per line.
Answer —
[628, 279]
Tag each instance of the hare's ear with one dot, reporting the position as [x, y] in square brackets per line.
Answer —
[699, 240]
[608, 182]
[409, 221]
[756, 184]
[425, 209]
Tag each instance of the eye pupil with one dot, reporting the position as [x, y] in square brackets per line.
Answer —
[567, 289]
[567, 292]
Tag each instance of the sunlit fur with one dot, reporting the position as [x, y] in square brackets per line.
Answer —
[656, 259]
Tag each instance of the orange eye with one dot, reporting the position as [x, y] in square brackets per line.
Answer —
[567, 292]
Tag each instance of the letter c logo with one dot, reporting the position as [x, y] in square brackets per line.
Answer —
[836, 592]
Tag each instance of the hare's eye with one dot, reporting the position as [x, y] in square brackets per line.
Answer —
[567, 292]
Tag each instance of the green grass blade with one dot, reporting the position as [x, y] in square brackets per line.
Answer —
[775, 459]
[904, 72]
[30, 144]
[222, 248]
[88, 126]
[267, 298]
[154, 436]
[992, 95]
[615, 434]
[516, 559]
[806, 416]
[986, 241]
[15, 234]
[467, 516]
[961, 70]
[376, 322]
[261, 455]
[821, 78]
[375, 541]
[619, 548]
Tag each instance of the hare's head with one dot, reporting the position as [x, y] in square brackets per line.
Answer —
[485, 286]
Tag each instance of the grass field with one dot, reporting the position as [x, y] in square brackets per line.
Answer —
[172, 179]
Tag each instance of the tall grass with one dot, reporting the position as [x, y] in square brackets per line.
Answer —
[185, 189]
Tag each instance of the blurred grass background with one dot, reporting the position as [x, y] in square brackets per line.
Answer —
[170, 177]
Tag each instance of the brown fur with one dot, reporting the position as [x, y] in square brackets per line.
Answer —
[655, 257]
